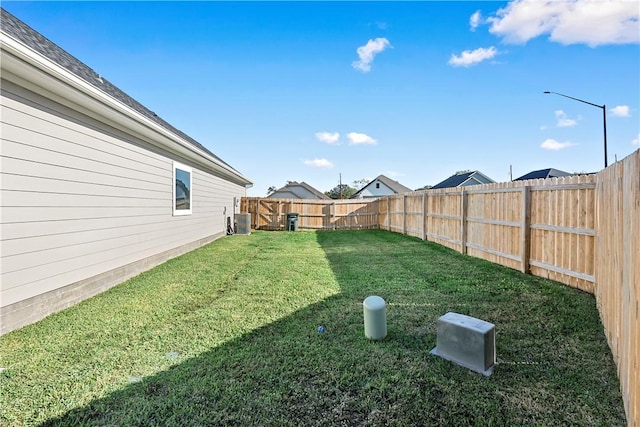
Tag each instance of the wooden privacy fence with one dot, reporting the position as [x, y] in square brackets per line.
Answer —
[617, 272]
[543, 227]
[582, 231]
[271, 214]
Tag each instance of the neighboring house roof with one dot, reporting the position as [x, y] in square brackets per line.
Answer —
[394, 186]
[543, 173]
[21, 32]
[463, 179]
[298, 190]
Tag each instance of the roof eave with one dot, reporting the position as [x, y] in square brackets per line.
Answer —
[22, 64]
[490, 181]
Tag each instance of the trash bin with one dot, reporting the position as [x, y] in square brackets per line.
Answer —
[375, 318]
[292, 222]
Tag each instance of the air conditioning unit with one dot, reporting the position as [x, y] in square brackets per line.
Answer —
[242, 223]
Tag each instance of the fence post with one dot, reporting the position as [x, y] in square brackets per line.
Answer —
[388, 213]
[525, 232]
[463, 221]
[257, 213]
[404, 214]
[424, 216]
[333, 214]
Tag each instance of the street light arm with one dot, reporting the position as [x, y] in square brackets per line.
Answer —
[576, 99]
[604, 118]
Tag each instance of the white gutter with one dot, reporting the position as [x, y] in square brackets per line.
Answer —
[26, 67]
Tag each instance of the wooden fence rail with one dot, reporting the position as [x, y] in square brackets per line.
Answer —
[533, 226]
[581, 231]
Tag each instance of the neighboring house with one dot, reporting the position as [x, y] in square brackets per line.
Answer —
[543, 173]
[298, 190]
[463, 179]
[381, 186]
[426, 187]
[95, 187]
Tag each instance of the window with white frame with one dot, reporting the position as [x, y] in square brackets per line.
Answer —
[182, 201]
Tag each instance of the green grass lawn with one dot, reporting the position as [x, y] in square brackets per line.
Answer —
[226, 335]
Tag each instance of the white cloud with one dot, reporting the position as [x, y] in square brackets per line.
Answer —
[382, 25]
[394, 174]
[621, 111]
[590, 22]
[367, 52]
[552, 144]
[468, 57]
[563, 120]
[475, 20]
[356, 138]
[319, 163]
[331, 138]
[636, 141]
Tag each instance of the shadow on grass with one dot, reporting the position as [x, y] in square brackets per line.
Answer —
[555, 367]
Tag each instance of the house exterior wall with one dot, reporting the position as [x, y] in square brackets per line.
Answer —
[85, 205]
[371, 191]
[478, 178]
[472, 181]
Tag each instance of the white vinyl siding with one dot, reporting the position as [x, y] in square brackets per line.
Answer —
[375, 189]
[79, 198]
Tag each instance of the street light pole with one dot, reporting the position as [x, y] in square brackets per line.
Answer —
[604, 118]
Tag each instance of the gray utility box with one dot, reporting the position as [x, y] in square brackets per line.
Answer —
[467, 341]
[243, 223]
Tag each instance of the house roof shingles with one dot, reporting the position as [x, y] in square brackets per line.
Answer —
[20, 31]
[543, 173]
[311, 189]
[395, 186]
[461, 178]
[453, 181]
[290, 188]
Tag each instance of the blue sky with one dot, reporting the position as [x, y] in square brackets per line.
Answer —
[309, 91]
